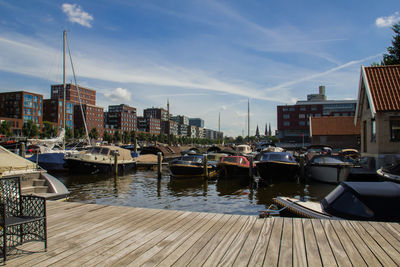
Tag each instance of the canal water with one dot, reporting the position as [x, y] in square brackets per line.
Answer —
[143, 189]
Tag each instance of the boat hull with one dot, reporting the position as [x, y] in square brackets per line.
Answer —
[329, 173]
[186, 170]
[88, 167]
[276, 170]
[51, 161]
[230, 170]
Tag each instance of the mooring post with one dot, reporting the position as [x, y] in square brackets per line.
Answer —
[205, 162]
[135, 142]
[159, 164]
[302, 167]
[23, 150]
[251, 168]
[37, 158]
[116, 162]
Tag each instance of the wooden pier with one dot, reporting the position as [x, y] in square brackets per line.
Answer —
[95, 235]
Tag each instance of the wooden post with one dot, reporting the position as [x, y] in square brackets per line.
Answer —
[135, 142]
[251, 168]
[205, 166]
[37, 158]
[159, 165]
[302, 167]
[116, 162]
[23, 149]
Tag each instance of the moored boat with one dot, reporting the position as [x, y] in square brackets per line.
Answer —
[100, 159]
[234, 167]
[276, 165]
[190, 166]
[390, 173]
[327, 169]
[369, 201]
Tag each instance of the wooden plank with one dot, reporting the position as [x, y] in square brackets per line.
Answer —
[391, 235]
[351, 250]
[272, 254]
[207, 250]
[286, 249]
[237, 244]
[226, 242]
[340, 254]
[299, 248]
[257, 258]
[360, 245]
[325, 250]
[391, 228]
[313, 254]
[244, 256]
[376, 248]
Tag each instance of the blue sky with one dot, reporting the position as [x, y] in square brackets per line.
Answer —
[206, 56]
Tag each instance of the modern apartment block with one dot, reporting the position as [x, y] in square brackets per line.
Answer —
[157, 113]
[180, 119]
[21, 106]
[149, 125]
[87, 96]
[94, 116]
[294, 120]
[196, 122]
[53, 112]
[121, 117]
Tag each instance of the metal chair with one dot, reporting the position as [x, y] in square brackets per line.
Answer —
[22, 218]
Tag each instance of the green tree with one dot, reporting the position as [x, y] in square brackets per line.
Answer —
[125, 137]
[48, 130]
[30, 129]
[142, 136]
[94, 134]
[107, 137]
[117, 136]
[79, 132]
[132, 136]
[5, 128]
[68, 133]
[393, 56]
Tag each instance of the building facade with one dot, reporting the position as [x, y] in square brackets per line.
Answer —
[53, 112]
[23, 106]
[196, 122]
[156, 113]
[180, 119]
[87, 96]
[294, 120]
[94, 116]
[122, 117]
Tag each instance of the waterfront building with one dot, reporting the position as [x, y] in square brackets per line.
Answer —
[378, 112]
[53, 112]
[180, 119]
[294, 120]
[21, 106]
[196, 122]
[156, 113]
[192, 131]
[183, 130]
[334, 131]
[87, 96]
[149, 125]
[121, 117]
[94, 116]
[170, 127]
[200, 133]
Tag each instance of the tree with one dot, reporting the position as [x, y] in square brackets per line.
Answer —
[93, 133]
[68, 133]
[30, 129]
[393, 56]
[79, 132]
[48, 130]
[132, 136]
[5, 128]
[117, 136]
[125, 137]
[107, 137]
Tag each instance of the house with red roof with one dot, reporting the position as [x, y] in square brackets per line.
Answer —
[378, 112]
[335, 131]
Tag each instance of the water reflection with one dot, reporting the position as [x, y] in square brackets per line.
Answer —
[143, 189]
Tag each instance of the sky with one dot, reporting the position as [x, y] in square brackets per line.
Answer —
[205, 57]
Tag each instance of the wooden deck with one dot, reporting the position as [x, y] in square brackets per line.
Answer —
[96, 235]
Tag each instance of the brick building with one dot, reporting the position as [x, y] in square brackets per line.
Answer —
[121, 117]
[149, 125]
[294, 120]
[157, 113]
[53, 112]
[21, 106]
[94, 116]
[87, 96]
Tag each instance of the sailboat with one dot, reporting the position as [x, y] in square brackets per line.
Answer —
[50, 157]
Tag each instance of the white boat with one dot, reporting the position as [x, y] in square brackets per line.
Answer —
[391, 173]
[327, 169]
[34, 180]
[244, 149]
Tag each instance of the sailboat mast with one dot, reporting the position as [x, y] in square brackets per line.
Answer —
[64, 87]
[219, 127]
[169, 125]
[248, 120]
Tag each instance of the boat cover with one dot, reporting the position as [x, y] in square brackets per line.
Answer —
[12, 162]
[375, 201]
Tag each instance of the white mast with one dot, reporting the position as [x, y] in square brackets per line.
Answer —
[219, 127]
[248, 120]
[64, 86]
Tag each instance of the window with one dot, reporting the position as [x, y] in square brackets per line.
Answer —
[317, 115]
[286, 123]
[303, 108]
[302, 123]
[373, 130]
[291, 109]
[313, 108]
[286, 116]
[302, 116]
[395, 129]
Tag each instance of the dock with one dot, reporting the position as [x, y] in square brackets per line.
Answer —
[97, 235]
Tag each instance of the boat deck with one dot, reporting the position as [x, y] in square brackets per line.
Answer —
[90, 235]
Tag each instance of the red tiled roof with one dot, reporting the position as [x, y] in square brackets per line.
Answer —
[334, 126]
[384, 84]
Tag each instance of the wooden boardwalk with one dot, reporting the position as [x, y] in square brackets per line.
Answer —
[96, 235]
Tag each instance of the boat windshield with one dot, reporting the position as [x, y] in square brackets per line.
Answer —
[104, 151]
[94, 150]
[229, 159]
[326, 160]
[276, 156]
[192, 158]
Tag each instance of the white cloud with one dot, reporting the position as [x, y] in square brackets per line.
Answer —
[77, 15]
[119, 95]
[387, 21]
